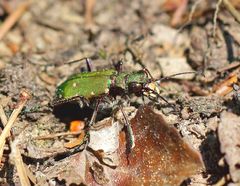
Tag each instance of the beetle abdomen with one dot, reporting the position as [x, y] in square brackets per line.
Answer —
[87, 85]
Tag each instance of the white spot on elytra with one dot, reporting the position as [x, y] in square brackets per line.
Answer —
[92, 93]
[74, 84]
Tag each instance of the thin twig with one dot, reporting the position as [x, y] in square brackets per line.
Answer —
[232, 10]
[4, 119]
[229, 67]
[177, 16]
[89, 6]
[3, 116]
[12, 19]
[215, 17]
[190, 17]
[19, 164]
[51, 136]
[30, 175]
[24, 96]
[23, 172]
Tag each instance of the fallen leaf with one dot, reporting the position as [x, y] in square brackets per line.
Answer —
[98, 173]
[72, 169]
[160, 155]
[228, 133]
[105, 138]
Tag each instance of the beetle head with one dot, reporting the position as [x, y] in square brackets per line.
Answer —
[151, 90]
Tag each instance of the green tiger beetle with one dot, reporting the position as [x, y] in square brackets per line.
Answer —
[96, 85]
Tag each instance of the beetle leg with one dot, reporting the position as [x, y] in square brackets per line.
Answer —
[146, 71]
[89, 64]
[118, 66]
[143, 99]
[94, 115]
[129, 132]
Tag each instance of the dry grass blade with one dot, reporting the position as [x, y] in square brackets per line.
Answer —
[20, 165]
[51, 136]
[3, 116]
[12, 19]
[24, 96]
[30, 175]
[89, 12]
[232, 10]
[23, 172]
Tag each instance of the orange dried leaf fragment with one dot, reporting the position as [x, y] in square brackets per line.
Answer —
[226, 86]
[75, 142]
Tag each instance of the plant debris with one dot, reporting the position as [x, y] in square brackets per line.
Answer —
[228, 132]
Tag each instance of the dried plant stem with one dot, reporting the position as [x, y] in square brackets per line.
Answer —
[19, 164]
[30, 175]
[232, 10]
[191, 15]
[215, 17]
[12, 19]
[51, 136]
[24, 96]
[89, 11]
[23, 172]
[177, 16]
[3, 116]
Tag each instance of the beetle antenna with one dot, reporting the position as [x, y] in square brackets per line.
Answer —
[77, 60]
[171, 76]
[88, 62]
[165, 100]
[161, 97]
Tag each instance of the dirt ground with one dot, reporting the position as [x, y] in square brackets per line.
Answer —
[192, 139]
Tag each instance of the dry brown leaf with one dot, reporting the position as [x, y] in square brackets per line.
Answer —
[159, 157]
[71, 169]
[160, 153]
[228, 132]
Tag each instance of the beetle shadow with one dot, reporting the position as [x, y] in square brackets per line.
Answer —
[72, 111]
[210, 150]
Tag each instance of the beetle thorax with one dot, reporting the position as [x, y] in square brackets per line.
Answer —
[131, 83]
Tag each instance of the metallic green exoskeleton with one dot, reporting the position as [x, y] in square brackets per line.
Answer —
[86, 85]
[89, 85]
